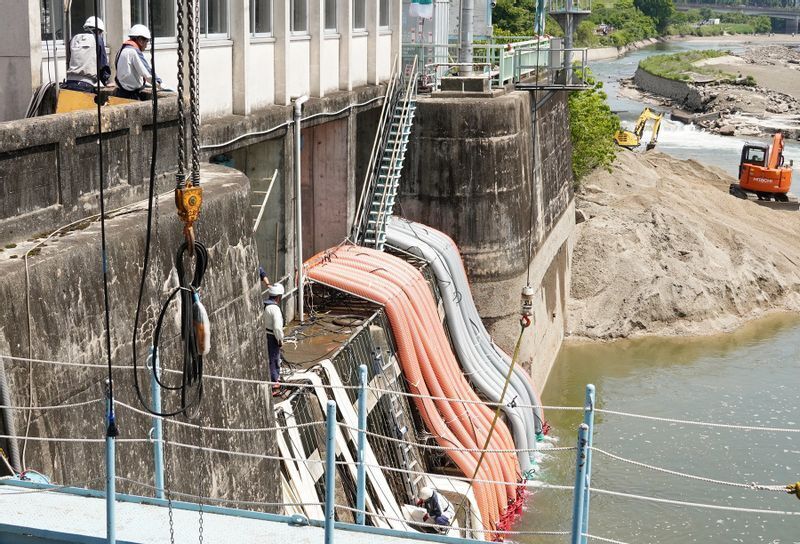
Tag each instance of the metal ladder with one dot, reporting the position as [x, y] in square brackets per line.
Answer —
[388, 375]
[386, 161]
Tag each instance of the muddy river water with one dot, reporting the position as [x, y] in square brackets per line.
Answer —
[750, 377]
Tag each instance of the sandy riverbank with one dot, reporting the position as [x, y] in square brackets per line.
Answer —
[666, 251]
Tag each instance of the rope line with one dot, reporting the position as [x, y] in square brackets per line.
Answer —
[218, 500]
[602, 539]
[53, 407]
[221, 429]
[752, 485]
[447, 448]
[437, 526]
[695, 504]
[71, 439]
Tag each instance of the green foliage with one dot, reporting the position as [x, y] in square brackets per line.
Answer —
[762, 24]
[592, 125]
[514, 17]
[678, 65]
[659, 10]
[629, 22]
[585, 36]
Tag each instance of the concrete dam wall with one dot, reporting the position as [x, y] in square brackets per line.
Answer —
[66, 322]
[477, 170]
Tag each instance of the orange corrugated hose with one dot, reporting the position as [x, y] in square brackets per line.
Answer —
[381, 291]
[428, 363]
[479, 416]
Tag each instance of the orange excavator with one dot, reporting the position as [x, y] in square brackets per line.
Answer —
[762, 172]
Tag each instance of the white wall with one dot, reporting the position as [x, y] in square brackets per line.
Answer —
[297, 74]
[384, 55]
[261, 72]
[330, 64]
[358, 60]
[216, 74]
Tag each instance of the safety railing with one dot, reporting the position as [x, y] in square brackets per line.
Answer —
[338, 424]
[497, 59]
[558, 67]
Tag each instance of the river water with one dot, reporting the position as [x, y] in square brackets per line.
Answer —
[677, 139]
[750, 377]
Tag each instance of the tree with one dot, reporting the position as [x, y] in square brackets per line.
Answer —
[584, 35]
[762, 24]
[659, 10]
[592, 125]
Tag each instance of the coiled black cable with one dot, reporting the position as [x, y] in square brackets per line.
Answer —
[192, 364]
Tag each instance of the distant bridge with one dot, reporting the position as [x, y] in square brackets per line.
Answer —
[789, 12]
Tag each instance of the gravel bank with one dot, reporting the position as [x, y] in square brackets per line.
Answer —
[666, 251]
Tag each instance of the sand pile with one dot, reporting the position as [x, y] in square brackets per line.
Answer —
[665, 250]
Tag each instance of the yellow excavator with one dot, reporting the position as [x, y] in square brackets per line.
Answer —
[631, 140]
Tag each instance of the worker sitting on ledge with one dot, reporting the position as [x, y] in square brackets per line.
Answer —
[133, 71]
[274, 333]
[438, 508]
[82, 73]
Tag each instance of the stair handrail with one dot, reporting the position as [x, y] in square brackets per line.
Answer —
[381, 133]
[398, 143]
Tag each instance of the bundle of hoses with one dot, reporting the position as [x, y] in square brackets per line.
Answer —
[430, 368]
[485, 363]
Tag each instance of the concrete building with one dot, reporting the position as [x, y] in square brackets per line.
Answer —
[254, 53]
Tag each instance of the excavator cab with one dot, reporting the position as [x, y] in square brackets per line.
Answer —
[631, 140]
[762, 172]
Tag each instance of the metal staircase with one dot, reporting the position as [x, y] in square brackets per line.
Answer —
[387, 157]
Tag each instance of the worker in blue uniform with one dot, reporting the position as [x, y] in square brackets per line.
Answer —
[274, 323]
[83, 70]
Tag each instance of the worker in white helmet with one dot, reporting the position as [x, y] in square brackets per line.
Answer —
[438, 509]
[83, 72]
[272, 309]
[133, 71]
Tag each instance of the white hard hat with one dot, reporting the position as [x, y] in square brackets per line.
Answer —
[276, 289]
[425, 493]
[94, 22]
[139, 31]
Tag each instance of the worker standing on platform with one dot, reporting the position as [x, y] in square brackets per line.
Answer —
[438, 508]
[82, 73]
[274, 332]
[133, 70]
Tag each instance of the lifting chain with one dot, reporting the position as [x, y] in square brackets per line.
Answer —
[189, 194]
[181, 176]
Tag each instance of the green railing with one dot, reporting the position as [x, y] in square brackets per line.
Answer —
[498, 59]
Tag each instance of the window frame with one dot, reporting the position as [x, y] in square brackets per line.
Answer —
[335, 28]
[159, 39]
[253, 31]
[292, 30]
[384, 12]
[48, 43]
[215, 35]
[363, 3]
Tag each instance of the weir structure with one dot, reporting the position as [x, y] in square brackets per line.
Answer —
[406, 313]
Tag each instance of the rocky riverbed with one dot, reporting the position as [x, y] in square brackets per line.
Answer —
[662, 249]
[740, 108]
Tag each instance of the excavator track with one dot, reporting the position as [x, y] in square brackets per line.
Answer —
[774, 201]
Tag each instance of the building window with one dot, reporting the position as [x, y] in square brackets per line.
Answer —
[383, 13]
[164, 12]
[330, 16]
[52, 17]
[261, 17]
[214, 18]
[359, 14]
[299, 14]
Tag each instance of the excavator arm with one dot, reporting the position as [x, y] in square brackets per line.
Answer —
[626, 138]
